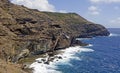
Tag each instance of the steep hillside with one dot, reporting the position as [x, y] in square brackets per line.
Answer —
[27, 32]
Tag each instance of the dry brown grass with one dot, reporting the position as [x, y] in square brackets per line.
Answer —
[10, 68]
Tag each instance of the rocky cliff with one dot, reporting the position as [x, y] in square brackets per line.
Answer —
[27, 32]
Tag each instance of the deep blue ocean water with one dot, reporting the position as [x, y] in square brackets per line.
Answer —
[104, 59]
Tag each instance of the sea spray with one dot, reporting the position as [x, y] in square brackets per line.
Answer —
[52, 67]
[90, 45]
[112, 34]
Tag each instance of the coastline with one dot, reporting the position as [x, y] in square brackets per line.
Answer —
[63, 58]
[27, 34]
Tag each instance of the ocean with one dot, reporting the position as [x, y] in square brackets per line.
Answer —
[101, 56]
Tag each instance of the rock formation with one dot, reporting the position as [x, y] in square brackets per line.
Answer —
[27, 32]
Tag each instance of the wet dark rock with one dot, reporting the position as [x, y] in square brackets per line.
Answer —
[43, 60]
[77, 43]
[51, 59]
[39, 61]
[50, 54]
[59, 57]
[46, 62]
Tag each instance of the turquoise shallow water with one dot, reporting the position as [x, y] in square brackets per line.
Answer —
[104, 59]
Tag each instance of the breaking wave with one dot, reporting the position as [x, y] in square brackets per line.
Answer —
[52, 67]
[112, 34]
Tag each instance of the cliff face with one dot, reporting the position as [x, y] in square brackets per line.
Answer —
[26, 31]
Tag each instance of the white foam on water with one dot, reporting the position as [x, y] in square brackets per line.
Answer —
[89, 45]
[69, 53]
[83, 38]
[43, 68]
[112, 34]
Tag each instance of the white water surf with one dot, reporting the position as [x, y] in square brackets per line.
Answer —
[112, 34]
[69, 53]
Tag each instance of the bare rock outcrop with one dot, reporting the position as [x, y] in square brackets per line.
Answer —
[28, 32]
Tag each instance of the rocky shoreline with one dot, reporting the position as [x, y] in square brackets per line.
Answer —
[50, 63]
[25, 33]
